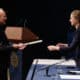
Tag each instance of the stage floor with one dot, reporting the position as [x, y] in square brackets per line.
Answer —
[53, 69]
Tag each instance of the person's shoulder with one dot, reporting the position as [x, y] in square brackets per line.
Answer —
[78, 30]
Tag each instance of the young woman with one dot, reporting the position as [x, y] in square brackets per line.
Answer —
[75, 44]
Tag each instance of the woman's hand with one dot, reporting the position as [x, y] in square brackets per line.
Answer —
[53, 48]
[62, 45]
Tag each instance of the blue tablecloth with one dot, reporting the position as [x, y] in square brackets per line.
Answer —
[47, 72]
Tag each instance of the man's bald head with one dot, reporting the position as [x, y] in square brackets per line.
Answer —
[2, 10]
[3, 16]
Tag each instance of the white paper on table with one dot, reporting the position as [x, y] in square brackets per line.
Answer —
[77, 77]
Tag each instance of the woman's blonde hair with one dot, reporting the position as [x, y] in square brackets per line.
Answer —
[76, 14]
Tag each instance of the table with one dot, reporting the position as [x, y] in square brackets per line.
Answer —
[53, 69]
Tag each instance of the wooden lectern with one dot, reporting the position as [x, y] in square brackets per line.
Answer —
[18, 34]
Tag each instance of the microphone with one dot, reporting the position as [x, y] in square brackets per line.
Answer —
[25, 21]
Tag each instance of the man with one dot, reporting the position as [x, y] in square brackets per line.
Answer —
[5, 48]
[75, 44]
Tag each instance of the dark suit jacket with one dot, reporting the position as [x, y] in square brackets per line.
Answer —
[75, 44]
[5, 48]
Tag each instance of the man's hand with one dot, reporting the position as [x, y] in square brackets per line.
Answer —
[19, 46]
[53, 48]
[15, 46]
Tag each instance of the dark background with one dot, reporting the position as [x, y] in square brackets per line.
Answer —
[49, 19]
